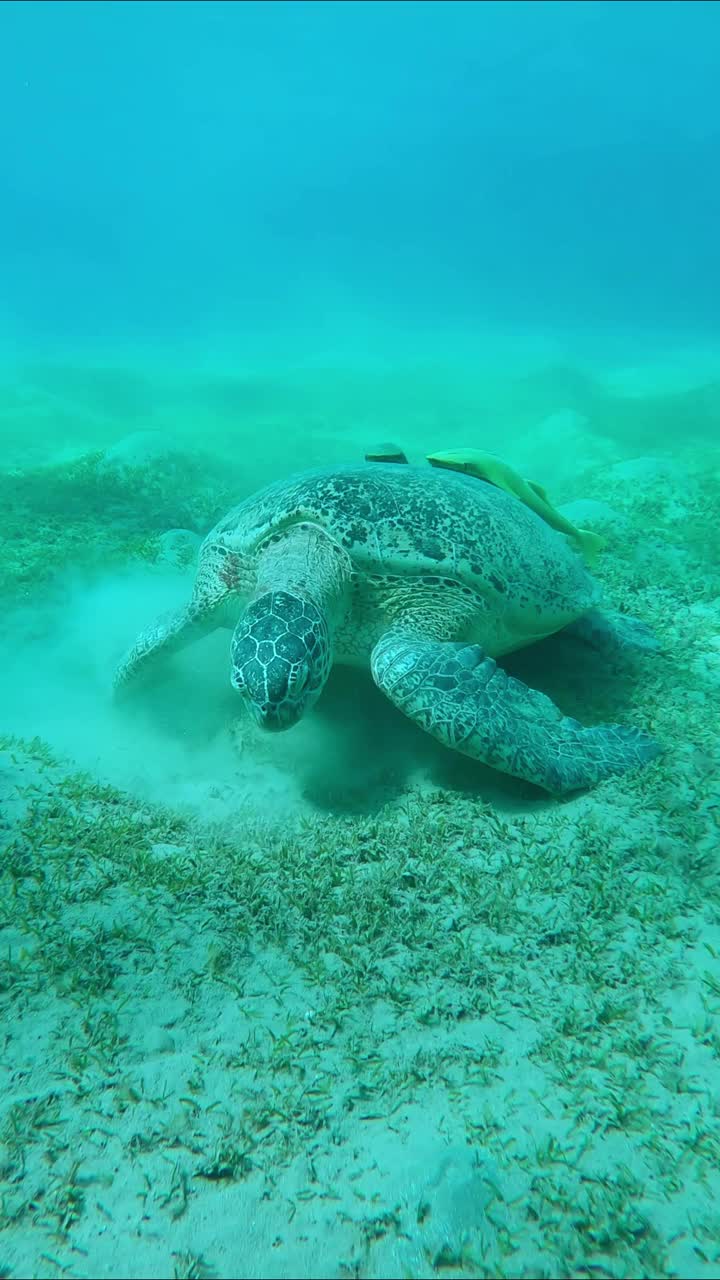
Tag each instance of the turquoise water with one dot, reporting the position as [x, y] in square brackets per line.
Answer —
[342, 1001]
[324, 175]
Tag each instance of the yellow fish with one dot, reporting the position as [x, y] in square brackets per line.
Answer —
[486, 466]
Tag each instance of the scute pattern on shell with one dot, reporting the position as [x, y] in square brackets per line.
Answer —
[419, 521]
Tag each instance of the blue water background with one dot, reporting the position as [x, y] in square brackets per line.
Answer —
[305, 174]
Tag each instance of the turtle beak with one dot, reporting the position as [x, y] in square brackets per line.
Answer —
[275, 717]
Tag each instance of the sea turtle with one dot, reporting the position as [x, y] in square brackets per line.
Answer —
[426, 575]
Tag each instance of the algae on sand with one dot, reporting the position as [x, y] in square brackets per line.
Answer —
[442, 1029]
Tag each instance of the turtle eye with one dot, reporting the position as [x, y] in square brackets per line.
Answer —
[298, 680]
[237, 679]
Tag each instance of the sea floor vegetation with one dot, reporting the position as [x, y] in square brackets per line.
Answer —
[424, 1024]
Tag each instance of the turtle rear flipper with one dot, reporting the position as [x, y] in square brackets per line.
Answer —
[463, 699]
[614, 635]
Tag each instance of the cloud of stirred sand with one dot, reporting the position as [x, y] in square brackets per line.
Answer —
[173, 745]
[185, 742]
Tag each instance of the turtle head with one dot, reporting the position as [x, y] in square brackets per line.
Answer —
[281, 657]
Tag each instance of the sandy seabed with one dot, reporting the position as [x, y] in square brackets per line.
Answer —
[343, 1004]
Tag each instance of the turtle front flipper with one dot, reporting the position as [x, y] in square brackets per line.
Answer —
[168, 634]
[460, 696]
